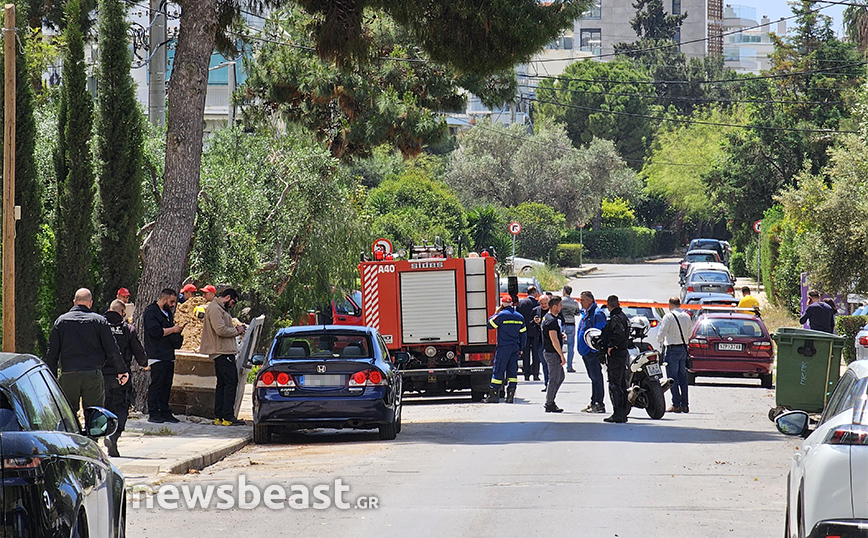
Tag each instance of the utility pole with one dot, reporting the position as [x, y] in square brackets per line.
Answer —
[157, 64]
[9, 208]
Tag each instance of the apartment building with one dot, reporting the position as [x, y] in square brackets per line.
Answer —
[747, 43]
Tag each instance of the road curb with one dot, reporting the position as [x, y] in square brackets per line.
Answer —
[573, 272]
[203, 459]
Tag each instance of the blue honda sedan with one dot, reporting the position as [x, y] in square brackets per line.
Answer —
[332, 376]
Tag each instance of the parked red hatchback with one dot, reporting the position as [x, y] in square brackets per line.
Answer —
[730, 345]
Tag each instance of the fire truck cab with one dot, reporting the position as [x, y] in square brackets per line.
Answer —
[436, 309]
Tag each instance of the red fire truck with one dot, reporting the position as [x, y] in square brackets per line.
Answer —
[436, 308]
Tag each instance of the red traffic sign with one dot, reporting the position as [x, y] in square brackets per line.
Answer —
[383, 245]
[757, 226]
[514, 228]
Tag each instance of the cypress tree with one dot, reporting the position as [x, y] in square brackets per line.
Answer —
[28, 195]
[119, 150]
[74, 228]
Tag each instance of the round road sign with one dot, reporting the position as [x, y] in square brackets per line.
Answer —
[757, 226]
[514, 228]
[383, 244]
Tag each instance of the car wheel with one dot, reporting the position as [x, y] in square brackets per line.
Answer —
[691, 378]
[526, 270]
[766, 380]
[388, 431]
[261, 434]
[477, 395]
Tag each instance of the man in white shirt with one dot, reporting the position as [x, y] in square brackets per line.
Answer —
[673, 334]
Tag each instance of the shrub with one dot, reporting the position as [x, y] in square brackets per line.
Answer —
[848, 326]
[617, 214]
[665, 241]
[738, 265]
[550, 278]
[569, 254]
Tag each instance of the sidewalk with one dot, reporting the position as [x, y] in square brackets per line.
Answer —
[149, 450]
[574, 272]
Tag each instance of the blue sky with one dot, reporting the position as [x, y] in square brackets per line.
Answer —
[776, 9]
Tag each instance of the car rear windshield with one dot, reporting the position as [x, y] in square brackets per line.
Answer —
[710, 276]
[631, 311]
[325, 346]
[522, 285]
[709, 244]
[693, 258]
[730, 327]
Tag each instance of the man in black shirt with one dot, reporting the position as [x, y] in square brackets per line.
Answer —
[162, 338]
[615, 340]
[119, 397]
[818, 314]
[536, 329]
[525, 308]
[553, 341]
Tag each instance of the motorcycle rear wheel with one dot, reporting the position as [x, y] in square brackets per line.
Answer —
[656, 407]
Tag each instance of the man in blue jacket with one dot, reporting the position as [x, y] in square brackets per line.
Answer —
[511, 339]
[592, 318]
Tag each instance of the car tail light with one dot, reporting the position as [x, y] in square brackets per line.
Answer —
[849, 434]
[651, 358]
[285, 380]
[654, 323]
[863, 341]
[479, 356]
[698, 343]
[375, 377]
[266, 380]
[358, 379]
[761, 346]
[689, 288]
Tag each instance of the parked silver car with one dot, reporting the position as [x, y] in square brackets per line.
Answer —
[708, 281]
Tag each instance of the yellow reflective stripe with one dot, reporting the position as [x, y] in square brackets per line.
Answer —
[523, 330]
[497, 381]
[492, 323]
[514, 322]
[513, 380]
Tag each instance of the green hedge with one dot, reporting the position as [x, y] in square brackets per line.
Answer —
[634, 242]
[848, 326]
[738, 265]
[569, 254]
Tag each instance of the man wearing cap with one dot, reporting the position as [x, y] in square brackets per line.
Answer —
[511, 339]
[208, 293]
[187, 292]
[123, 295]
[218, 342]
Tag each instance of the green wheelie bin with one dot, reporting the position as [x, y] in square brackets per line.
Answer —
[808, 366]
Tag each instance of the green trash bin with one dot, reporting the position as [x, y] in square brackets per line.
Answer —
[808, 366]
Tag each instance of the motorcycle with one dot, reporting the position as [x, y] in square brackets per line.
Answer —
[646, 384]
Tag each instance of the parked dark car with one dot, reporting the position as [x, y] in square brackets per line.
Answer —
[730, 345]
[711, 244]
[56, 480]
[693, 256]
[327, 377]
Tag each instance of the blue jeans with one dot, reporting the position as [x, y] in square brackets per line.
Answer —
[595, 373]
[570, 332]
[676, 368]
[545, 366]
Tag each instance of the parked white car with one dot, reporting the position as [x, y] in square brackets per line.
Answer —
[524, 266]
[827, 490]
[862, 344]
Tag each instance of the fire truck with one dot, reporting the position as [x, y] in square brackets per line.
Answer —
[436, 308]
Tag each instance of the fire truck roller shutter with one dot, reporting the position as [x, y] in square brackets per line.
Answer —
[429, 312]
[477, 308]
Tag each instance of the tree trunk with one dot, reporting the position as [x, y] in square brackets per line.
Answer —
[168, 245]
[598, 217]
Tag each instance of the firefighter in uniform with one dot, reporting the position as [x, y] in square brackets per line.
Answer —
[511, 339]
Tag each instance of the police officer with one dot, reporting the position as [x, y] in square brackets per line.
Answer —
[525, 308]
[118, 398]
[511, 339]
[614, 341]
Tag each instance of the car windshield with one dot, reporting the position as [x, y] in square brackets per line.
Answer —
[322, 345]
[730, 327]
[522, 285]
[710, 245]
[710, 276]
[693, 258]
[631, 311]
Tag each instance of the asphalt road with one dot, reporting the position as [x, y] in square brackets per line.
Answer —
[461, 469]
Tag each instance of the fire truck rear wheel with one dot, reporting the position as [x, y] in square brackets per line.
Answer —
[477, 395]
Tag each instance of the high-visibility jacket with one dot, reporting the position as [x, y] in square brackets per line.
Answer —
[510, 328]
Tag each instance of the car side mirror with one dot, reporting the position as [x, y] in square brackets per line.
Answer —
[793, 423]
[401, 357]
[99, 422]
[258, 359]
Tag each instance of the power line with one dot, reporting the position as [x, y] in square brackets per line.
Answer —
[687, 121]
[691, 99]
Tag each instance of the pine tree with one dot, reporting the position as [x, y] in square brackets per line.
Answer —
[75, 183]
[28, 195]
[119, 149]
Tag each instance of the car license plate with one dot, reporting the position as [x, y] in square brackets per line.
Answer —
[709, 288]
[730, 347]
[328, 380]
[653, 369]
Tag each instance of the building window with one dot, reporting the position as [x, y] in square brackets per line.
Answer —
[676, 7]
[594, 13]
[591, 41]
